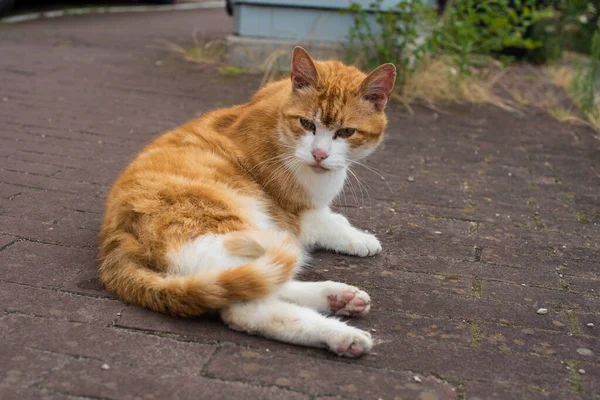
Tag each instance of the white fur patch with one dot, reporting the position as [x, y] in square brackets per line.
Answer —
[207, 253]
[204, 253]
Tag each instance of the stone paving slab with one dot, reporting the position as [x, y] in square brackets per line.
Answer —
[499, 219]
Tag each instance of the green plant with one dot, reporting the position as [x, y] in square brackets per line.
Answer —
[584, 86]
[467, 34]
[570, 26]
[393, 38]
[471, 30]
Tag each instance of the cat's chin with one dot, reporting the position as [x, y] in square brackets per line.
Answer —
[317, 169]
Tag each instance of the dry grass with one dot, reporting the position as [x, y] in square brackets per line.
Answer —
[563, 76]
[205, 53]
[437, 81]
[202, 52]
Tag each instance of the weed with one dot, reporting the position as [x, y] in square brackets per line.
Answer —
[231, 71]
[471, 31]
[202, 52]
[583, 87]
[394, 37]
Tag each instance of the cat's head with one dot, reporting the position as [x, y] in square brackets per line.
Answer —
[335, 113]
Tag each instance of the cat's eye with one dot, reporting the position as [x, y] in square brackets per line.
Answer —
[308, 125]
[345, 132]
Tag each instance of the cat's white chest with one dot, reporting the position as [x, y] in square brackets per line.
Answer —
[323, 189]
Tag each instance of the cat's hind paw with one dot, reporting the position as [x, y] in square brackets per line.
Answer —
[351, 342]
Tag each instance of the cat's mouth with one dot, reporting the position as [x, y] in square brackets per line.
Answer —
[318, 169]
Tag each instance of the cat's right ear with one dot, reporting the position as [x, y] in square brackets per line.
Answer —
[304, 73]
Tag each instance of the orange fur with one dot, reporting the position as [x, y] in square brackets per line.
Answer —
[192, 181]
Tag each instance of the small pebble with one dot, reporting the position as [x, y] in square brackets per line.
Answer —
[373, 330]
[590, 325]
[582, 371]
[417, 379]
[542, 311]
[105, 367]
[410, 179]
[510, 174]
[437, 232]
[585, 352]
[522, 284]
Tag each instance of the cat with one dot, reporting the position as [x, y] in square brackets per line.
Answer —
[218, 214]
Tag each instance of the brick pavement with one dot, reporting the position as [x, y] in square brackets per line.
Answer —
[500, 220]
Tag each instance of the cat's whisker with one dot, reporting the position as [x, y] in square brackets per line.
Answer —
[370, 168]
[351, 186]
[373, 170]
[361, 187]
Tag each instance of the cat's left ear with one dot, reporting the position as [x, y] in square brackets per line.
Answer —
[304, 73]
[378, 85]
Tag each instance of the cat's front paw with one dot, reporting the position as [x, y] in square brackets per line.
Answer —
[350, 342]
[362, 244]
[349, 301]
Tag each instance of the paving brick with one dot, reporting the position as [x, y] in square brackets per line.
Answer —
[589, 286]
[319, 377]
[108, 345]
[476, 390]
[27, 206]
[23, 393]
[82, 219]
[581, 320]
[534, 297]
[7, 191]
[87, 282]
[6, 240]
[590, 380]
[370, 274]
[579, 268]
[49, 159]
[548, 344]
[56, 304]
[462, 307]
[43, 265]
[22, 367]
[55, 233]
[28, 167]
[43, 182]
[51, 204]
[86, 378]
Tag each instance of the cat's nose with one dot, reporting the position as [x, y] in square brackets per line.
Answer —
[319, 155]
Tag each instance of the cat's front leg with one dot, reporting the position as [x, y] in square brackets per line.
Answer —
[325, 229]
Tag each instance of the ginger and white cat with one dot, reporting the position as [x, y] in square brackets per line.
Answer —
[218, 213]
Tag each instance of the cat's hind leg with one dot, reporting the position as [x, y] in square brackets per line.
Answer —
[286, 322]
[327, 297]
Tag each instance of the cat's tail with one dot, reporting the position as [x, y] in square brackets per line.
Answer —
[277, 257]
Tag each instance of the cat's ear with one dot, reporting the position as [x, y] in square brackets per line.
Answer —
[378, 85]
[304, 72]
